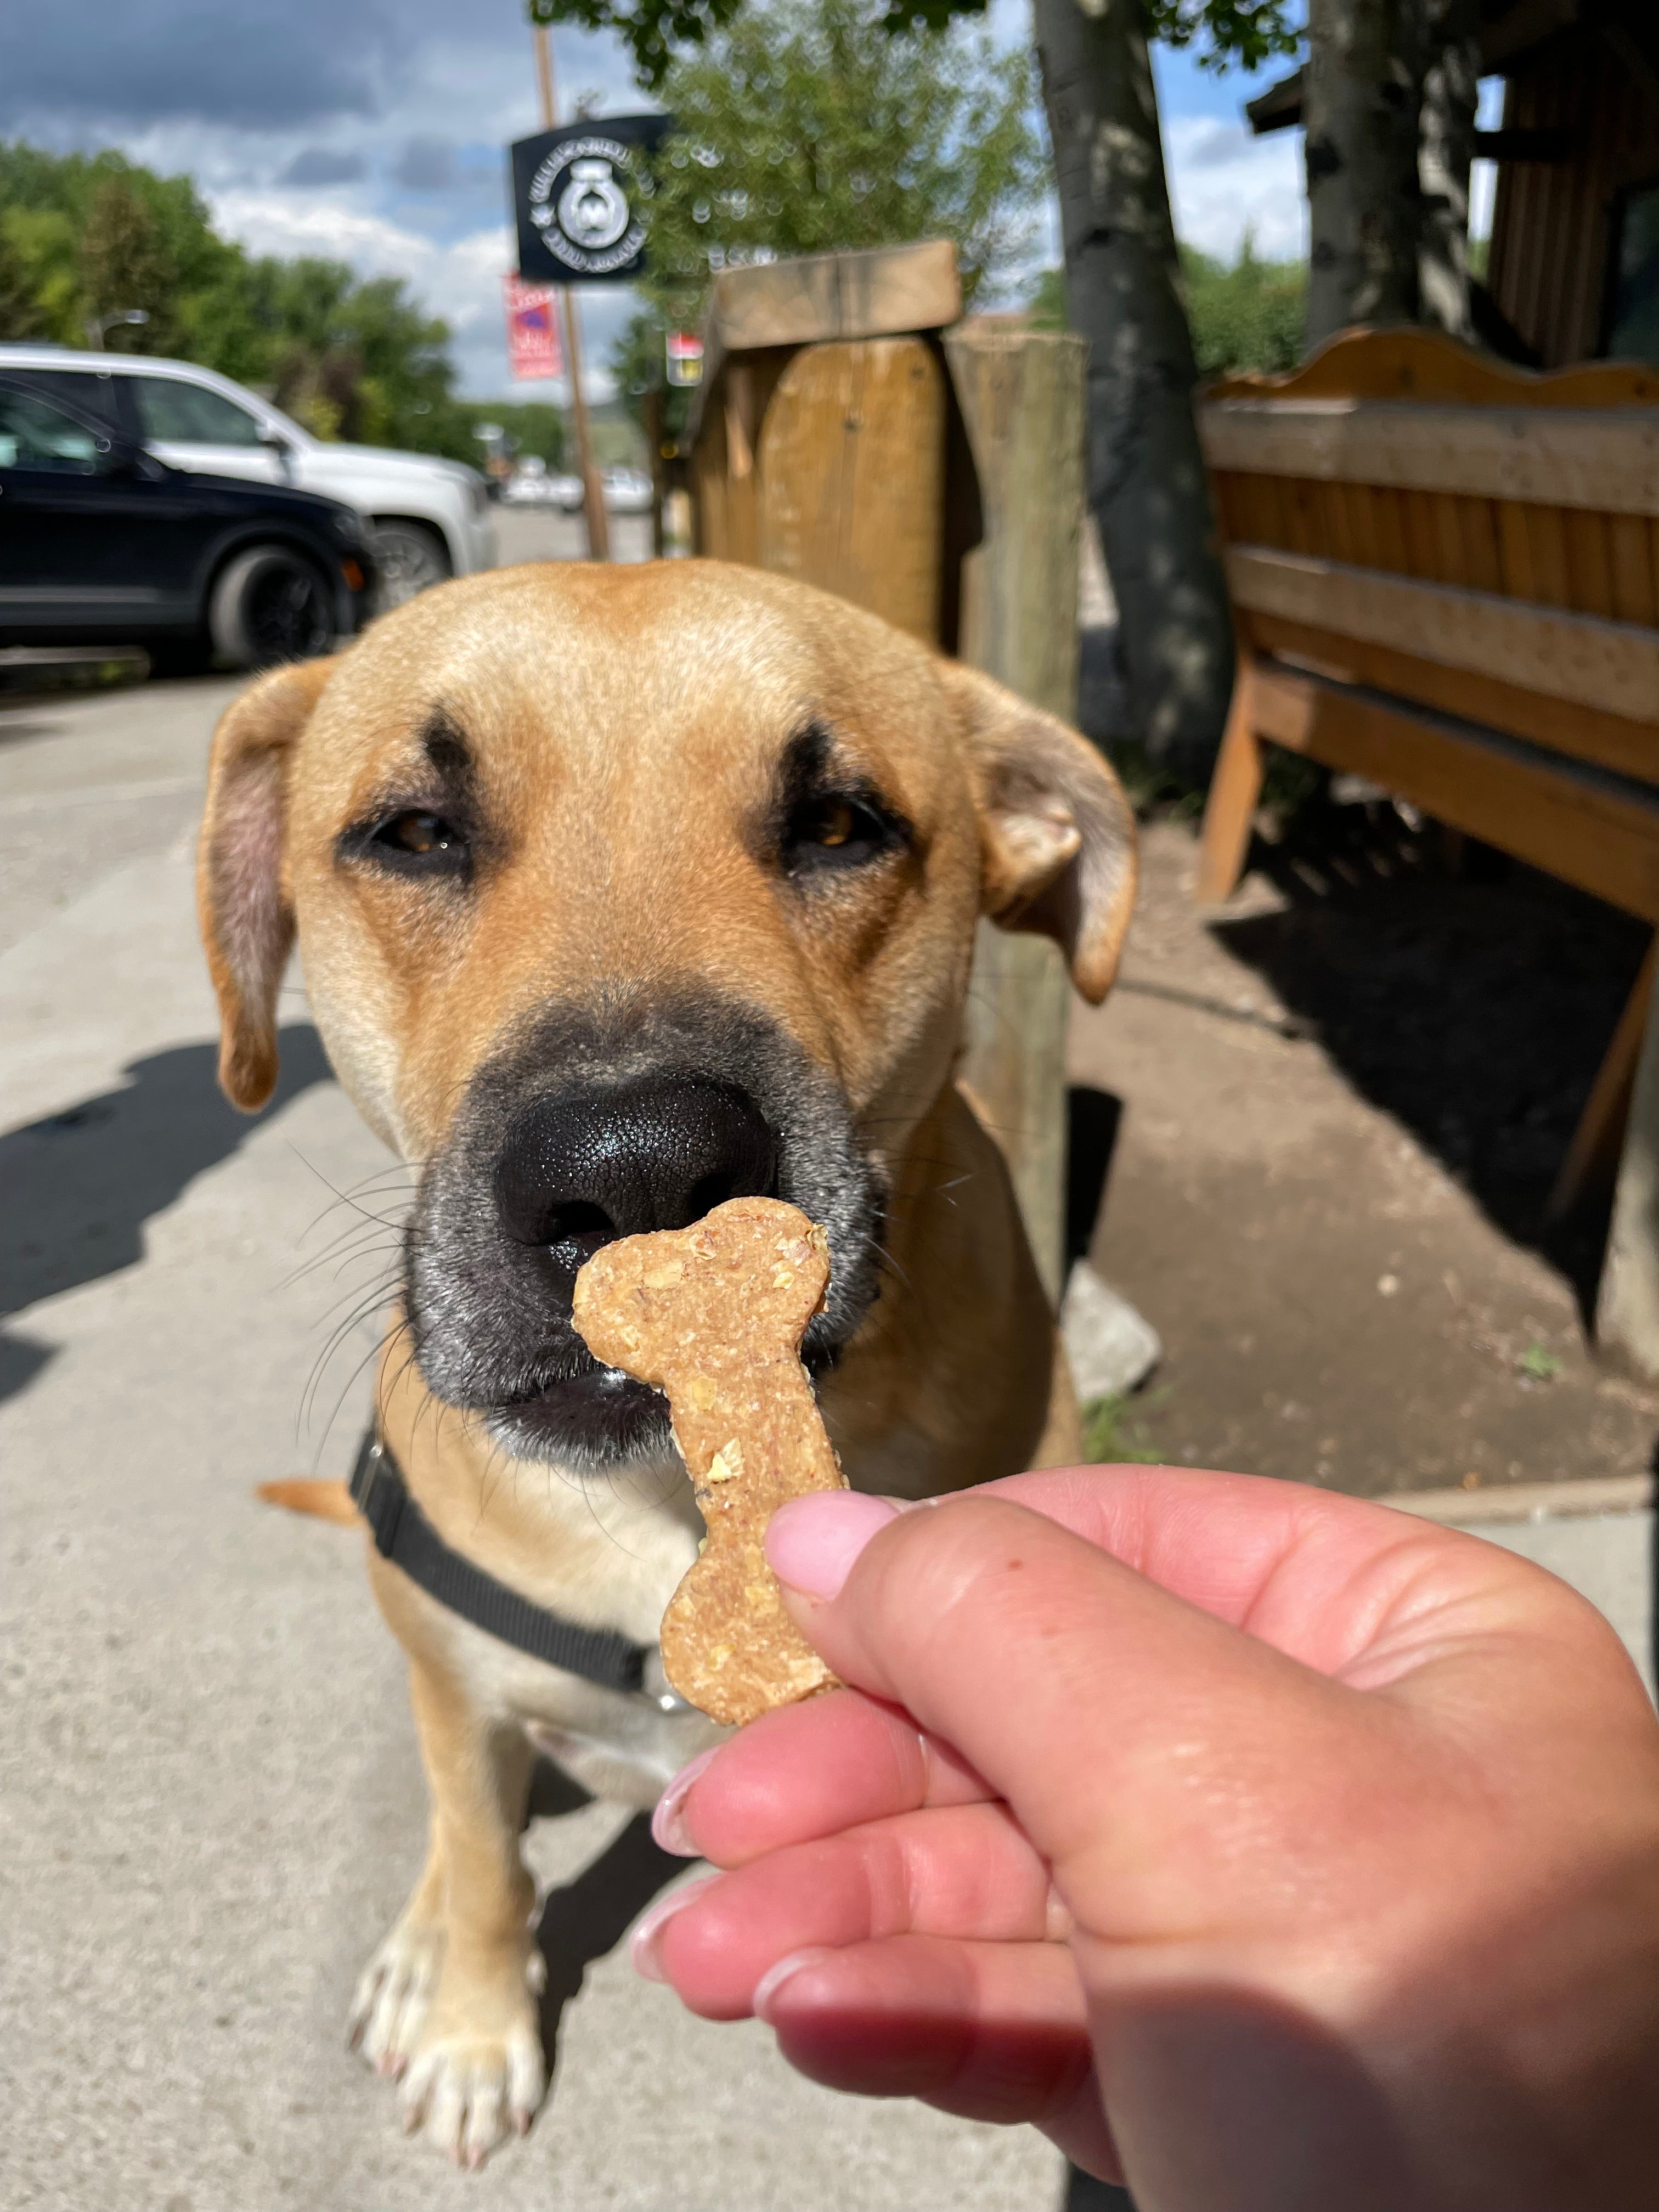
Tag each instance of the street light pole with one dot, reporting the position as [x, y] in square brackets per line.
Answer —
[99, 326]
[599, 523]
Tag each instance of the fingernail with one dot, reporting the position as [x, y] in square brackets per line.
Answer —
[645, 1944]
[775, 1978]
[668, 1826]
[812, 1542]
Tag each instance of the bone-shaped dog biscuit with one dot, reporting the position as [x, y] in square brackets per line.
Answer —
[713, 1316]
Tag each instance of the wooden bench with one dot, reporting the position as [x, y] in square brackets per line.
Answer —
[1445, 578]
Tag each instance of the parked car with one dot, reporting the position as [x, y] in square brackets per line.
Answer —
[627, 491]
[431, 517]
[544, 486]
[100, 542]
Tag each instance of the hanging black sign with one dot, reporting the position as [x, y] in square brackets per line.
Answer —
[575, 195]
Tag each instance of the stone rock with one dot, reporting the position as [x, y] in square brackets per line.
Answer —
[1111, 1346]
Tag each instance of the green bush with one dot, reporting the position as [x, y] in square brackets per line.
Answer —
[1248, 316]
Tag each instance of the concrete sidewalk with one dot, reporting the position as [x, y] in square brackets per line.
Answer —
[1609, 1557]
[213, 1802]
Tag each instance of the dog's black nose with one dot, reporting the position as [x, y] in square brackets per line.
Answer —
[581, 1168]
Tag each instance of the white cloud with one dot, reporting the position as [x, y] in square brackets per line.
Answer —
[302, 223]
[1223, 182]
[461, 281]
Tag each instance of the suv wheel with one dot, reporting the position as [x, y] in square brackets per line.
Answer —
[271, 604]
[412, 559]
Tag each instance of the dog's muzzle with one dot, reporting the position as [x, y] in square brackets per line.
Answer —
[573, 1138]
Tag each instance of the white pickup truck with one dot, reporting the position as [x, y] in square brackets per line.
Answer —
[431, 517]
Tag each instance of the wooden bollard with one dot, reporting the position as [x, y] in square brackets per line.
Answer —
[1021, 394]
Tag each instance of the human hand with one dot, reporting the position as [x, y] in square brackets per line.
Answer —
[1266, 1848]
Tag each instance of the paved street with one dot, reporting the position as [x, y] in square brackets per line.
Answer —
[210, 1783]
[540, 533]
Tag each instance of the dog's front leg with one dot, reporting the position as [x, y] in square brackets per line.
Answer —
[475, 2070]
[396, 1986]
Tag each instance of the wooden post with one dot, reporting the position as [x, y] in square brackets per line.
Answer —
[763, 396]
[599, 523]
[1592, 1158]
[1235, 788]
[1021, 394]
[1627, 1305]
[851, 476]
[654, 432]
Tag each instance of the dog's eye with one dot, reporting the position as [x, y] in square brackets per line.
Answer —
[834, 831]
[421, 834]
[413, 841]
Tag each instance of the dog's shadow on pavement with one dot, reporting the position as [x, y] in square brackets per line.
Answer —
[80, 1184]
[584, 1919]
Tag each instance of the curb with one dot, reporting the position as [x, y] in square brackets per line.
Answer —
[1528, 1501]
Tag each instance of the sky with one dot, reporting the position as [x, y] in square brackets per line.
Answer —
[373, 130]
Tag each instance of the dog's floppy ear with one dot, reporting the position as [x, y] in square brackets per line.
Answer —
[1057, 833]
[242, 897]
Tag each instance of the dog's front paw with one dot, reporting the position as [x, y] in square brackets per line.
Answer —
[473, 2079]
[393, 1992]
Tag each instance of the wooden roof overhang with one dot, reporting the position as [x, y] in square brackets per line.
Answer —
[1511, 32]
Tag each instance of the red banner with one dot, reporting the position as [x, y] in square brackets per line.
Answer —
[533, 329]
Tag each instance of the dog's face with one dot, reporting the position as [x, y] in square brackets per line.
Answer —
[620, 892]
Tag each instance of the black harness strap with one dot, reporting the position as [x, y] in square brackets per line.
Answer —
[404, 1535]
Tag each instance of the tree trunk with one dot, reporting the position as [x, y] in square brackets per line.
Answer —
[1359, 104]
[1450, 77]
[1146, 483]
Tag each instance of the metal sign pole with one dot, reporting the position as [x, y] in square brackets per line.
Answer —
[599, 523]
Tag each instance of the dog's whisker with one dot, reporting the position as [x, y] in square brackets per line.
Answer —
[355, 1202]
[362, 1297]
[368, 1305]
[346, 1197]
[373, 1353]
[336, 1338]
[366, 1248]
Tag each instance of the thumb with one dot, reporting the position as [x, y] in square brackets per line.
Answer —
[1122, 1723]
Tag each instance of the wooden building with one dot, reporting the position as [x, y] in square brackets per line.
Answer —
[1573, 271]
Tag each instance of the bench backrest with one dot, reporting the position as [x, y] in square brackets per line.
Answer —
[1404, 513]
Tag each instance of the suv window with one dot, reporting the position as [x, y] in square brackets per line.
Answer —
[188, 414]
[93, 390]
[33, 434]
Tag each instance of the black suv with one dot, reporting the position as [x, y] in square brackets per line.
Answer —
[102, 544]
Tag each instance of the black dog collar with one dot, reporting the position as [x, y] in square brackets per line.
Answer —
[404, 1535]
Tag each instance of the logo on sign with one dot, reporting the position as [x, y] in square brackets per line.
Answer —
[579, 199]
[580, 205]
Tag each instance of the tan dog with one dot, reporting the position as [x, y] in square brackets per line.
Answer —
[621, 892]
